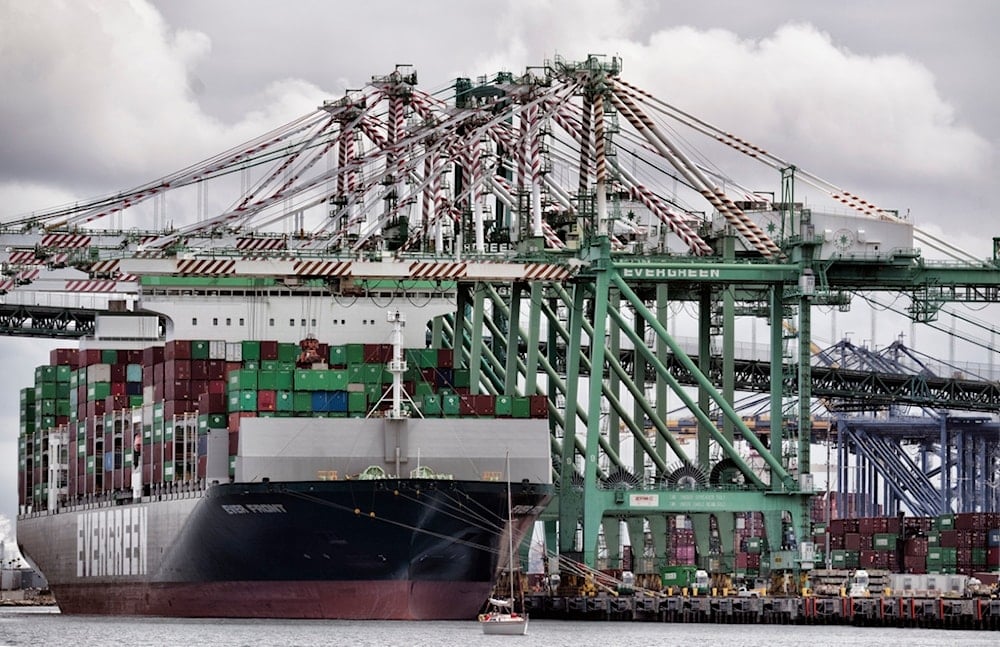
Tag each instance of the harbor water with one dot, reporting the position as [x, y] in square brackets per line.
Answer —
[37, 627]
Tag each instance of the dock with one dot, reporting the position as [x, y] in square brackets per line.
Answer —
[902, 611]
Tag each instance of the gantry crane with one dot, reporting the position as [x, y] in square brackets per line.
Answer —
[562, 217]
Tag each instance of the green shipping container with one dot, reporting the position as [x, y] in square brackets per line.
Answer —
[504, 405]
[460, 377]
[945, 522]
[251, 350]
[45, 374]
[109, 356]
[208, 421]
[338, 356]
[450, 405]
[431, 405]
[373, 374]
[284, 379]
[337, 380]
[267, 380]
[355, 353]
[884, 541]
[45, 390]
[521, 407]
[288, 352]
[242, 380]
[284, 401]
[199, 349]
[302, 401]
[357, 402]
[98, 391]
[64, 373]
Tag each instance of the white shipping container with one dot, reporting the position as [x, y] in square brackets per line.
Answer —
[216, 349]
[234, 351]
[98, 373]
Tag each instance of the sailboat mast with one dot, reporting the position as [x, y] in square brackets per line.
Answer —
[510, 535]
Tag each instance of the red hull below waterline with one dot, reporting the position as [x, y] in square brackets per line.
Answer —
[372, 600]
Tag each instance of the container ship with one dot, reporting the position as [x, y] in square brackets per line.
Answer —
[177, 465]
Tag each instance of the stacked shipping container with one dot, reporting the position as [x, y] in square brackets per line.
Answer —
[163, 400]
[965, 543]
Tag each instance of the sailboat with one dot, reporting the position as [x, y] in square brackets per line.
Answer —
[500, 619]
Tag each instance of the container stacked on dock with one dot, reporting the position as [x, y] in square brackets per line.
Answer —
[964, 543]
[106, 406]
[750, 542]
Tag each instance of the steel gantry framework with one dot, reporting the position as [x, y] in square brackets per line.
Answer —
[567, 212]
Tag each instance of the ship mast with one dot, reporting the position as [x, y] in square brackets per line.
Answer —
[397, 366]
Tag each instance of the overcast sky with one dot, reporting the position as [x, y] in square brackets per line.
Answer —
[894, 100]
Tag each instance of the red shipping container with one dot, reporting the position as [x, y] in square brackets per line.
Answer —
[147, 376]
[372, 354]
[914, 564]
[172, 408]
[266, 400]
[64, 357]
[177, 349]
[915, 546]
[117, 372]
[177, 390]
[199, 369]
[217, 387]
[268, 350]
[116, 402]
[90, 356]
[177, 369]
[234, 443]
[158, 373]
[446, 358]
[118, 388]
[466, 406]
[212, 402]
[152, 355]
[215, 369]
[993, 557]
[866, 526]
[202, 467]
[948, 539]
[538, 406]
[196, 388]
[95, 408]
[232, 366]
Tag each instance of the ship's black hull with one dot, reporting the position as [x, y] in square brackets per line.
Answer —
[380, 549]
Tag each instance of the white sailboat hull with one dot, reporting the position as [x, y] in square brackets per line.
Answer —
[504, 625]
